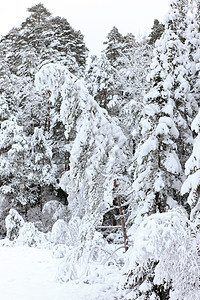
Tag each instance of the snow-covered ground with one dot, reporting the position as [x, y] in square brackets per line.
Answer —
[30, 274]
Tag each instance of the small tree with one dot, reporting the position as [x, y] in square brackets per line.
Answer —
[163, 263]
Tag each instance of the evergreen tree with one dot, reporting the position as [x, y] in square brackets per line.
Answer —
[129, 42]
[101, 81]
[131, 75]
[39, 15]
[163, 262]
[192, 170]
[39, 40]
[157, 31]
[193, 44]
[177, 17]
[113, 45]
[166, 136]
[14, 161]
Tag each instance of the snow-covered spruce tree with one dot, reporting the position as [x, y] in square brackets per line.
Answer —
[192, 170]
[166, 136]
[192, 42]
[158, 172]
[98, 155]
[178, 22]
[192, 183]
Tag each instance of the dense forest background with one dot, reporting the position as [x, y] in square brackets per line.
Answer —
[105, 154]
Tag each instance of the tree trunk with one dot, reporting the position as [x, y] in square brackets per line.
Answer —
[122, 219]
[41, 197]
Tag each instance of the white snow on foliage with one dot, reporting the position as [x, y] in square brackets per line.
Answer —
[192, 170]
[98, 153]
[196, 123]
[168, 240]
[150, 109]
[166, 126]
[148, 146]
[55, 210]
[172, 163]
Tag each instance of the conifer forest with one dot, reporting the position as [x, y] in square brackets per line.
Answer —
[100, 156]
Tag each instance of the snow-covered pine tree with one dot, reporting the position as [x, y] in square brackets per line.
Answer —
[156, 33]
[39, 40]
[113, 45]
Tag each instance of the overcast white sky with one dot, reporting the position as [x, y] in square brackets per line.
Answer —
[94, 18]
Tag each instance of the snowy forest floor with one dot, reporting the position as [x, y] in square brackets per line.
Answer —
[30, 273]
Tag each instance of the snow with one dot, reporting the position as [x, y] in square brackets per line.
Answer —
[30, 273]
[146, 126]
[146, 148]
[159, 184]
[196, 123]
[151, 109]
[172, 163]
[162, 129]
[166, 239]
[166, 125]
